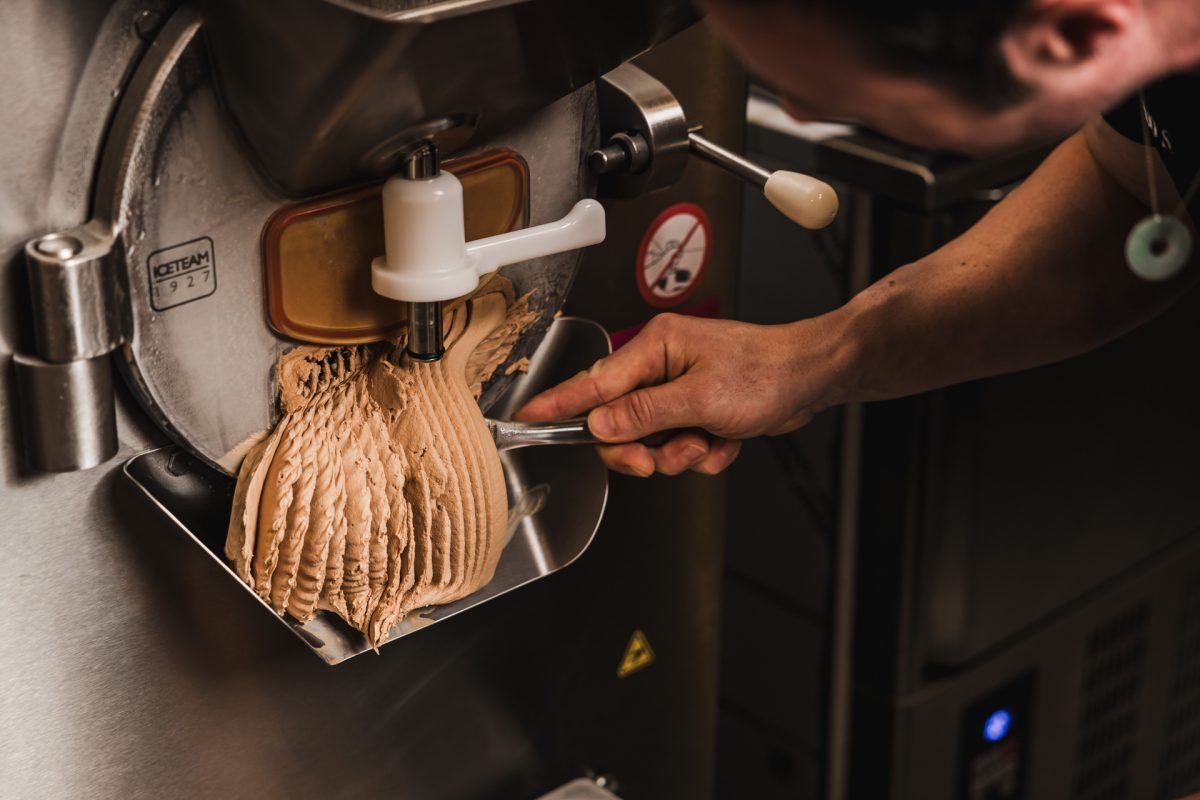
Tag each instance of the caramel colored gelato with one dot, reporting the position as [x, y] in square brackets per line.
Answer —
[380, 491]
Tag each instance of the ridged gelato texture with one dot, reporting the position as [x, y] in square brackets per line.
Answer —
[380, 491]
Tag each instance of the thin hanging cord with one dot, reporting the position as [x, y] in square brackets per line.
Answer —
[1151, 181]
[1149, 151]
[1188, 195]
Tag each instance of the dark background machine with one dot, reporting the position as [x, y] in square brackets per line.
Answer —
[986, 592]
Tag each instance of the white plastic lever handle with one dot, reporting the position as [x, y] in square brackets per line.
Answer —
[803, 199]
[426, 259]
[582, 226]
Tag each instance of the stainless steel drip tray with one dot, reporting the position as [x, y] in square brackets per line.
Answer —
[556, 499]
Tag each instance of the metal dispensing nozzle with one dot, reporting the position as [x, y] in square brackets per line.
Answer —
[428, 260]
[424, 318]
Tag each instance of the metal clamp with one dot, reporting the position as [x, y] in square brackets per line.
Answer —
[646, 130]
[649, 140]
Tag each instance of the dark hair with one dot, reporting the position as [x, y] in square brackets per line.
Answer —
[953, 42]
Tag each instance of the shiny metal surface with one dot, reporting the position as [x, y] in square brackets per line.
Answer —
[609, 158]
[180, 185]
[425, 331]
[66, 391]
[135, 669]
[728, 160]
[421, 10]
[421, 162]
[78, 294]
[67, 412]
[424, 319]
[74, 298]
[56, 246]
[328, 93]
[649, 138]
[510, 435]
[625, 152]
[556, 500]
[631, 100]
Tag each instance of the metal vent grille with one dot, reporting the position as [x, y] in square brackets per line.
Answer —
[1112, 678]
[1181, 758]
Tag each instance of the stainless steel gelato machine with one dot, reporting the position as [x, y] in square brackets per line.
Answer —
[192, 190]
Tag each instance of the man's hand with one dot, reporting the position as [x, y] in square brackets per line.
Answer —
[711, 382]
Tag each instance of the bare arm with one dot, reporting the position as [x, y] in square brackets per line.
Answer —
[1040, 278]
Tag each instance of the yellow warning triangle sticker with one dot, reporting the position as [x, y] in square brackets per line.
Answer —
[638, 655]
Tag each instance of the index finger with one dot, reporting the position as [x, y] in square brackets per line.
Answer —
[638, 363]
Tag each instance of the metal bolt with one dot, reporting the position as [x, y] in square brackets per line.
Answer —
[58, 246]
[177, 464]
[421, 161]
[607, 781]
[625, 152]
[147, 23]
[608, 159]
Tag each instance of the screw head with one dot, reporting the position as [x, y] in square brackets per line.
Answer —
[59, 246]
[146, 23]
[604, 160]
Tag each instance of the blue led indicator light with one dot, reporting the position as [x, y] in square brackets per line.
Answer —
[997, 725]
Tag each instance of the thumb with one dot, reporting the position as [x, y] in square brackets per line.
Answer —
[638, 363]
[645, 411]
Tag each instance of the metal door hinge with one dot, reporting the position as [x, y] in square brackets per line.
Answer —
[67, 407]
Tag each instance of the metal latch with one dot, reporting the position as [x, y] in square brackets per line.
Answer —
[68, 417]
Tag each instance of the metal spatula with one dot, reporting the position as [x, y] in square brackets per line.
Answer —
[510, 435]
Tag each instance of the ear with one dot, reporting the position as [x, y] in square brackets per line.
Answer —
[1054, 34]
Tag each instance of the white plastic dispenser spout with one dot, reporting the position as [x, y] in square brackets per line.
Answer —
[427, 256]
[427, 259]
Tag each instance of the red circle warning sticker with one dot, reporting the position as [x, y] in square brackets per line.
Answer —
[673, 255]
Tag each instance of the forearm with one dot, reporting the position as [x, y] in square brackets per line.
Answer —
[1041, 278]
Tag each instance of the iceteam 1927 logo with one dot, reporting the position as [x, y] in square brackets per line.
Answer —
[673, 255]
[182, 273]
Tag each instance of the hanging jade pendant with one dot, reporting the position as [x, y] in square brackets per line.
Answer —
[1158, 247]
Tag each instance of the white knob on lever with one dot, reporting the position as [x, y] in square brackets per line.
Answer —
[427, 256]
[803, 199]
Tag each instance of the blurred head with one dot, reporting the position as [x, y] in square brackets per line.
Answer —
[970, 75]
